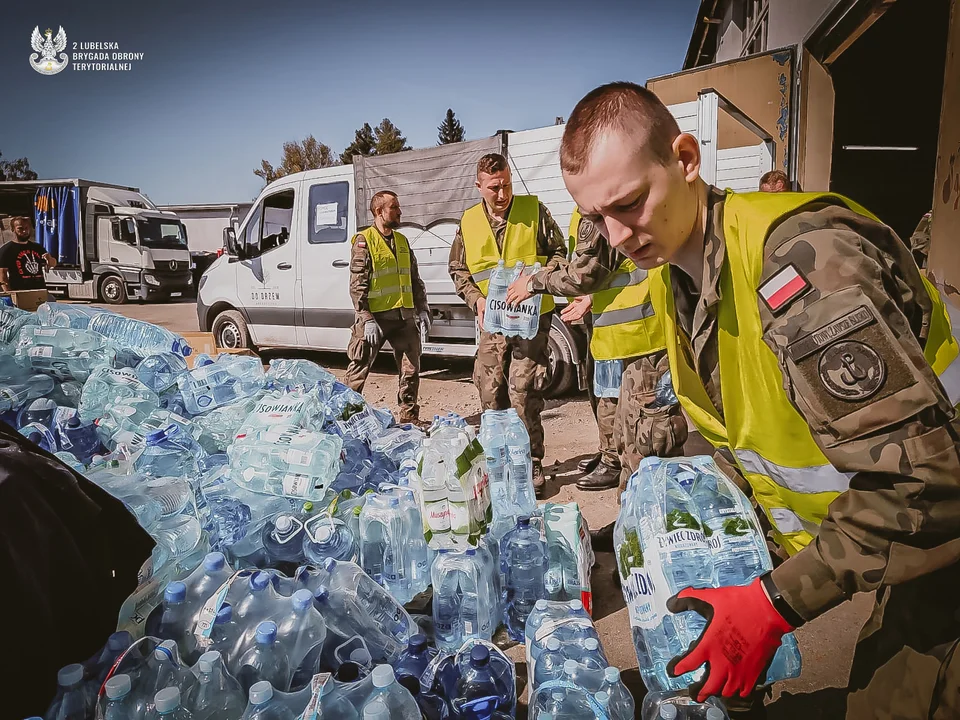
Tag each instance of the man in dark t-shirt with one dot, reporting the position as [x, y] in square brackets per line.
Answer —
[22, 260]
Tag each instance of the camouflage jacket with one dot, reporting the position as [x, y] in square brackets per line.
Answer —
[900, 518]
[550, 243]
[920, 240]
[591, 267]
[361, 274]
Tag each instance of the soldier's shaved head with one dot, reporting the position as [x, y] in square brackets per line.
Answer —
[380, 200]
[619, 106]
[491, 163]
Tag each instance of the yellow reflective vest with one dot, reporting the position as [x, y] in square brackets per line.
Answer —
[519, 242]
[624, 323]
[392, 284]
[791, 478]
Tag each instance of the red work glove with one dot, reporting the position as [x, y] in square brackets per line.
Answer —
[742, 634]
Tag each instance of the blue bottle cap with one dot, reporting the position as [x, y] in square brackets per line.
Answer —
[479, 655]
[155, 437]
[266, 632]
[302, 599]
[73, 421]
[330, 565]
[224, 614]
[175, 592]
[260, 692]
[214, 562]
[322, 596]
[417, 643]
[259, 581]
[35, 437]
[523, 522]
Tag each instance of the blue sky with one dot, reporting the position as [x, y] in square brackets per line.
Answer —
[223, 85]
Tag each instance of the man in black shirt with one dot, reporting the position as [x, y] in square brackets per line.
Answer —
[22, 260]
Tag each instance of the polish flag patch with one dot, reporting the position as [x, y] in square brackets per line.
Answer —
[783, 287]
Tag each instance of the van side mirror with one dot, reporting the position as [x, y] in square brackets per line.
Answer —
[230, 241]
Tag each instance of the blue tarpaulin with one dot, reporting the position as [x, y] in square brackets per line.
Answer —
[56, 216]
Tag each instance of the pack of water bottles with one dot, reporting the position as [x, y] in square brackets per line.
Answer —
[682, 524]
[521, 320]
[567, 669]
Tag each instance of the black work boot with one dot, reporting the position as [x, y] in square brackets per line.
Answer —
[589, 464]
[602, 540]
[539, 479]
[603, 477]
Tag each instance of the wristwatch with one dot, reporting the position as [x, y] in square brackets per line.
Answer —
[780, 603]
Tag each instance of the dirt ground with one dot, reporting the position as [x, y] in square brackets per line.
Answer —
[571, 435]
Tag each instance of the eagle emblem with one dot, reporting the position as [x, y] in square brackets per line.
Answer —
[48, 56]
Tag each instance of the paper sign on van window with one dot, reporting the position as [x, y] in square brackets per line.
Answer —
[325, 215]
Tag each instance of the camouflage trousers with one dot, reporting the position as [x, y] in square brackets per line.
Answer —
[907, 662]
[513, 372]
[404, 338]
[604, 409]
[642, 429]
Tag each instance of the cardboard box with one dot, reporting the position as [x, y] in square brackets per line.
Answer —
[202, 342]
[27, 299]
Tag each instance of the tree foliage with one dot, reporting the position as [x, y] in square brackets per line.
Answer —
[388, 138]
[364, 143]
[18, 169]
[298, 155]
[450, 130]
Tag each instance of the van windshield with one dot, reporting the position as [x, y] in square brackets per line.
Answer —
[161, 233]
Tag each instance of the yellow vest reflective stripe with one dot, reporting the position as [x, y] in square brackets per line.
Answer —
[519, 242]
[624, 323]
[391, 286]
[791, 478]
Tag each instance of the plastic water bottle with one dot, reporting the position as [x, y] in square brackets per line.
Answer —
[166, 704]
[121, 703]
[71, 701]
[478, 688]
[496, 302]
[523, 563]
[283, 542]
[679, 706]
[550, 663]
[607, 376]
[386, 542]
[62, 352]
[413, 661]
[12, 320]
[14, 394]
[464, 602]
[294, 463]
[176, 622]
[619, 702]
[289, 374]
[216, 694]
[107, 386]
[167, 454]
[54, 314]
[41, 410]
[79, 438]
[327, 537]
[160, 372]
[520, 468]
[265, 705]
[492, 437]
[361, 607]
[213, 384]
[389, 699]
[433, 472]
[302, 628]
[523, 320]
[39, 435]
[143, 337]
[266, 660]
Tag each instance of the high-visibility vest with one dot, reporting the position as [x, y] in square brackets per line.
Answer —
[519, 242]
[791, 477]
[624, 323]
[392, 284]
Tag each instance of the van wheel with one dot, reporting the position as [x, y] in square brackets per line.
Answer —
[563, 371]
[113, 290]
[230, 330]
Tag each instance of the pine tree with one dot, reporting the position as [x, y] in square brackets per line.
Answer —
[363, 143]
[18, 169]
[388, 138]
[450, 130]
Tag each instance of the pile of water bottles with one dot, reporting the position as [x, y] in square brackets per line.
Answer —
[520, 320]
[682, 524]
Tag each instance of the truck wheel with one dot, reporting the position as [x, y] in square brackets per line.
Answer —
[230, 330]
[113, 290]
[563, 370]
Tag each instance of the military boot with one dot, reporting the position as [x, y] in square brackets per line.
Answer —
[603, 477]
[539, 479]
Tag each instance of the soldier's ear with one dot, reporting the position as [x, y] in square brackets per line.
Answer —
[686, 148]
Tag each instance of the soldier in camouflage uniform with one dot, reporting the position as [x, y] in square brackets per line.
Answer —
[633, 426]
[400, 325]
[509, 371]
[857, 358]
[920, 241]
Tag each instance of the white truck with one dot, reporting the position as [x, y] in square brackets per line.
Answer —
[111, 241]
[284, 280]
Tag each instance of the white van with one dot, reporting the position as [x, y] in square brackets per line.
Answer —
[284, 281]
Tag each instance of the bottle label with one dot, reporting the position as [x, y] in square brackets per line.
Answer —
[297, 485]
[293, 456]
[519, 455]
[122, 375]
[40, 351]
[208, 613]
[45, 332]
[730, 534]
[459, 518]
[638, 591]
[437, 514]
[681, 540]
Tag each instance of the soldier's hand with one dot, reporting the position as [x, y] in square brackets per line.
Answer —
[425, 320]
[577, 308]
[372, 333]
[742, 634]
[481, 309]
[518, 292]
